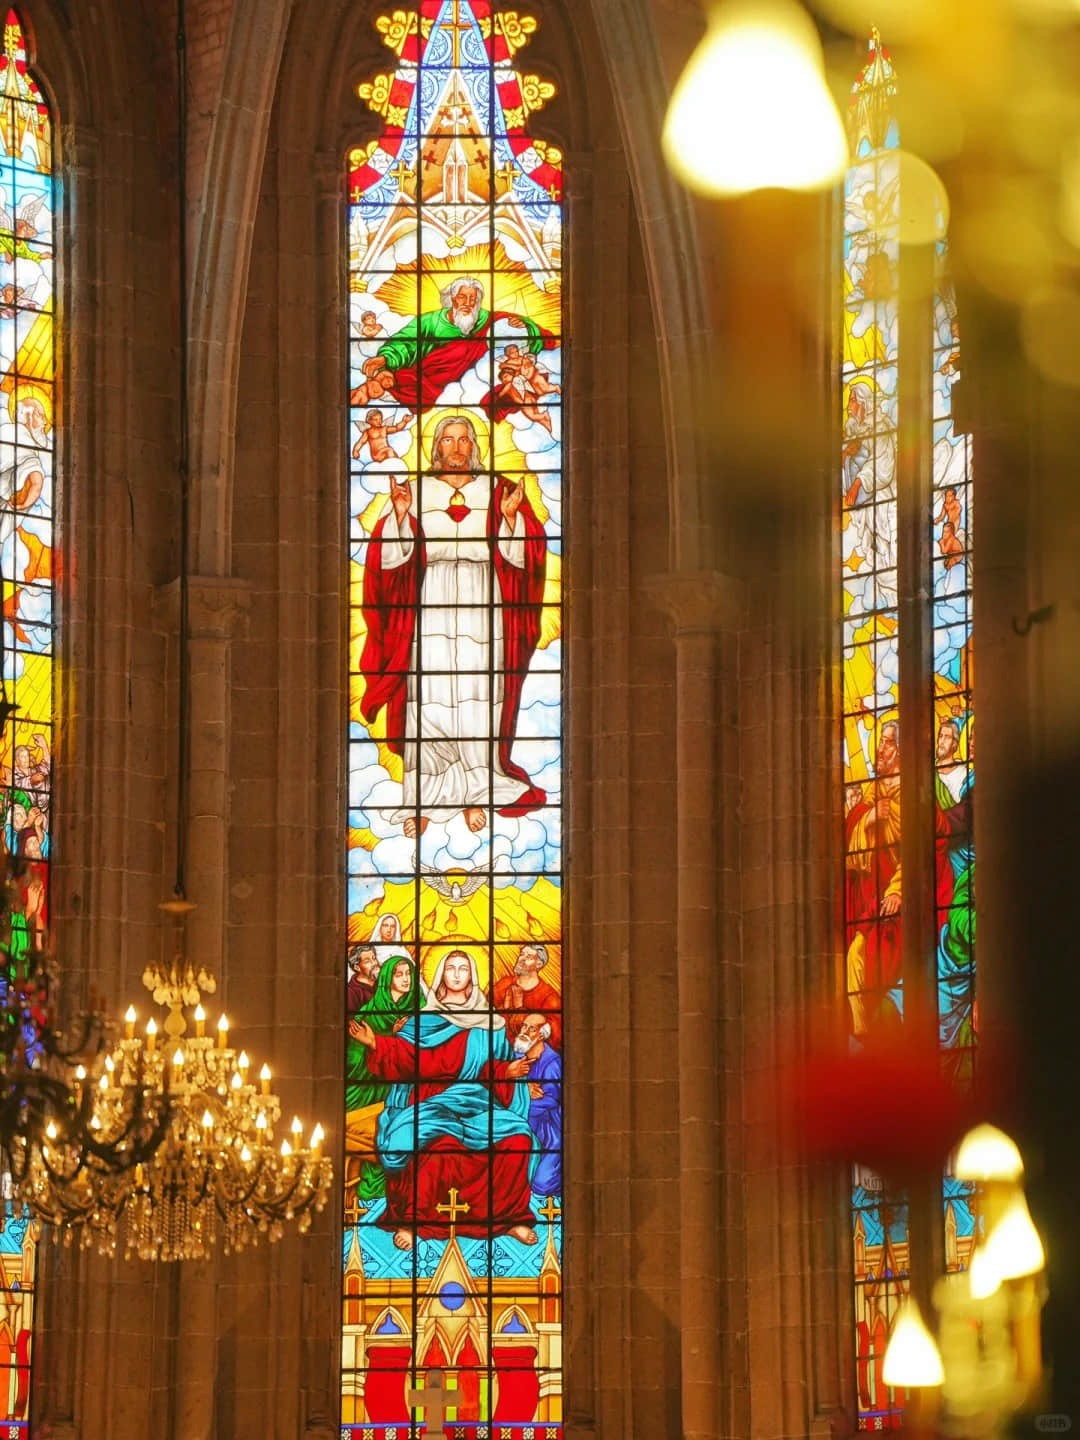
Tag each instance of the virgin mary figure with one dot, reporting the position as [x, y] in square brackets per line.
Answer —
[455, 1117]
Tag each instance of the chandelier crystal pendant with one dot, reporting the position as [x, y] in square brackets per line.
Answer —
[52, 1132]
[219, 1171]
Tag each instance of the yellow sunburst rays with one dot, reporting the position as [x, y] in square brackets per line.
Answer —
[869, 347]
[517, 916]
[508, 284]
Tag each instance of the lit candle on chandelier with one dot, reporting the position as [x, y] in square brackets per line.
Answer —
[316, 1138]
[242, 1063]
[129, 1023]
[222, 1032]
[200, 1022]
[151, 1035]
[264, 1076]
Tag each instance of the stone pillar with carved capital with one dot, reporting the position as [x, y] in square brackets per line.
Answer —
[705, 612]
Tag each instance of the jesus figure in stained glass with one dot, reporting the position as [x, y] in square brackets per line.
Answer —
[453, 589]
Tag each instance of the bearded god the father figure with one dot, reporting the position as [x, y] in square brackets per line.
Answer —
[453, 588]
[437, 348]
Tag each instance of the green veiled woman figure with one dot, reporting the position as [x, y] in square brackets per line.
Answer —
[395, 999]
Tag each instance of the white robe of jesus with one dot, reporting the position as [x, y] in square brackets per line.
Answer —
[455, 679]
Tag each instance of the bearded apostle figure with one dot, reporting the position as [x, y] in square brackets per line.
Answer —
[453, 588]
[437, 348]
[456, 1115]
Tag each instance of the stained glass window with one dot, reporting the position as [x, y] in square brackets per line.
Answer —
[452, 1275]
[878, 583]
[27, 417]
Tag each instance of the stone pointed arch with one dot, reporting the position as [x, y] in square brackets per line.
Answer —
[669, 234]
[224, 219]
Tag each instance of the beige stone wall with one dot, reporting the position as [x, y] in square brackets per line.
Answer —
[702, 1264]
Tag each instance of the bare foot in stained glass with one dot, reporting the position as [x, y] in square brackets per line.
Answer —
[404, 1239]
[524, 1233]
[475, 819]
[414, 827]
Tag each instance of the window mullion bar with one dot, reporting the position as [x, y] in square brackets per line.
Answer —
[914, 586]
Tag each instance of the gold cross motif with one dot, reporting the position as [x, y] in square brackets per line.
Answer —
[354, 1211]
[553, 191]
[453, 1209]
[356, 194]
[402, 172]
[508, 173]
[549, 1211]
[456, 26]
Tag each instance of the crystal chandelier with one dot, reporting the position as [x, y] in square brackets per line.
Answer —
[43, 1090]
[219, 1170]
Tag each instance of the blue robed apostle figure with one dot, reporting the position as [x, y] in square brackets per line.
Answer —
[456, 1116]
[545, 1100]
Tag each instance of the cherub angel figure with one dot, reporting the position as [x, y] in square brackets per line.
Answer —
[14, 234]
[375, 435]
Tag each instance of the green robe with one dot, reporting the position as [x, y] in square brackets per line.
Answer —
[381, 1012]
[361, 1088]
[423, 333]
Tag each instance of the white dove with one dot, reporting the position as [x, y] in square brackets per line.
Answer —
[453, 890]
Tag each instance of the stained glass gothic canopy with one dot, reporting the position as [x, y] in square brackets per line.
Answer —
[452, 1258]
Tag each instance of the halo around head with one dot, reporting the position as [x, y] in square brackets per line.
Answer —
[467, 412]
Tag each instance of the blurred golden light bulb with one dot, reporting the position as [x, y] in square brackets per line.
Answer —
[286, 1149]
[912, 1357]
[207, 1120]
[1013, 1245]
[129, 1015]
[983, 1275]
[924, 201]
[987, 1153]
[751, 109]
[297, 1125]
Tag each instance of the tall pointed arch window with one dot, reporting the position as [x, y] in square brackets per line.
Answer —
[27, 456]
[908, 720]
[452, 1278]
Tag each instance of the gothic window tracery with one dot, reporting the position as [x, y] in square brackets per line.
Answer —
[27, 550]
[454, 964]
[905, 593]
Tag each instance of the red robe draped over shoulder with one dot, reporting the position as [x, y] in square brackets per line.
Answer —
[390, 601]
[493, 1183]
[422, 385]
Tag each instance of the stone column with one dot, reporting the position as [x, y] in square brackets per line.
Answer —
[216, 609]
[705, 611]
